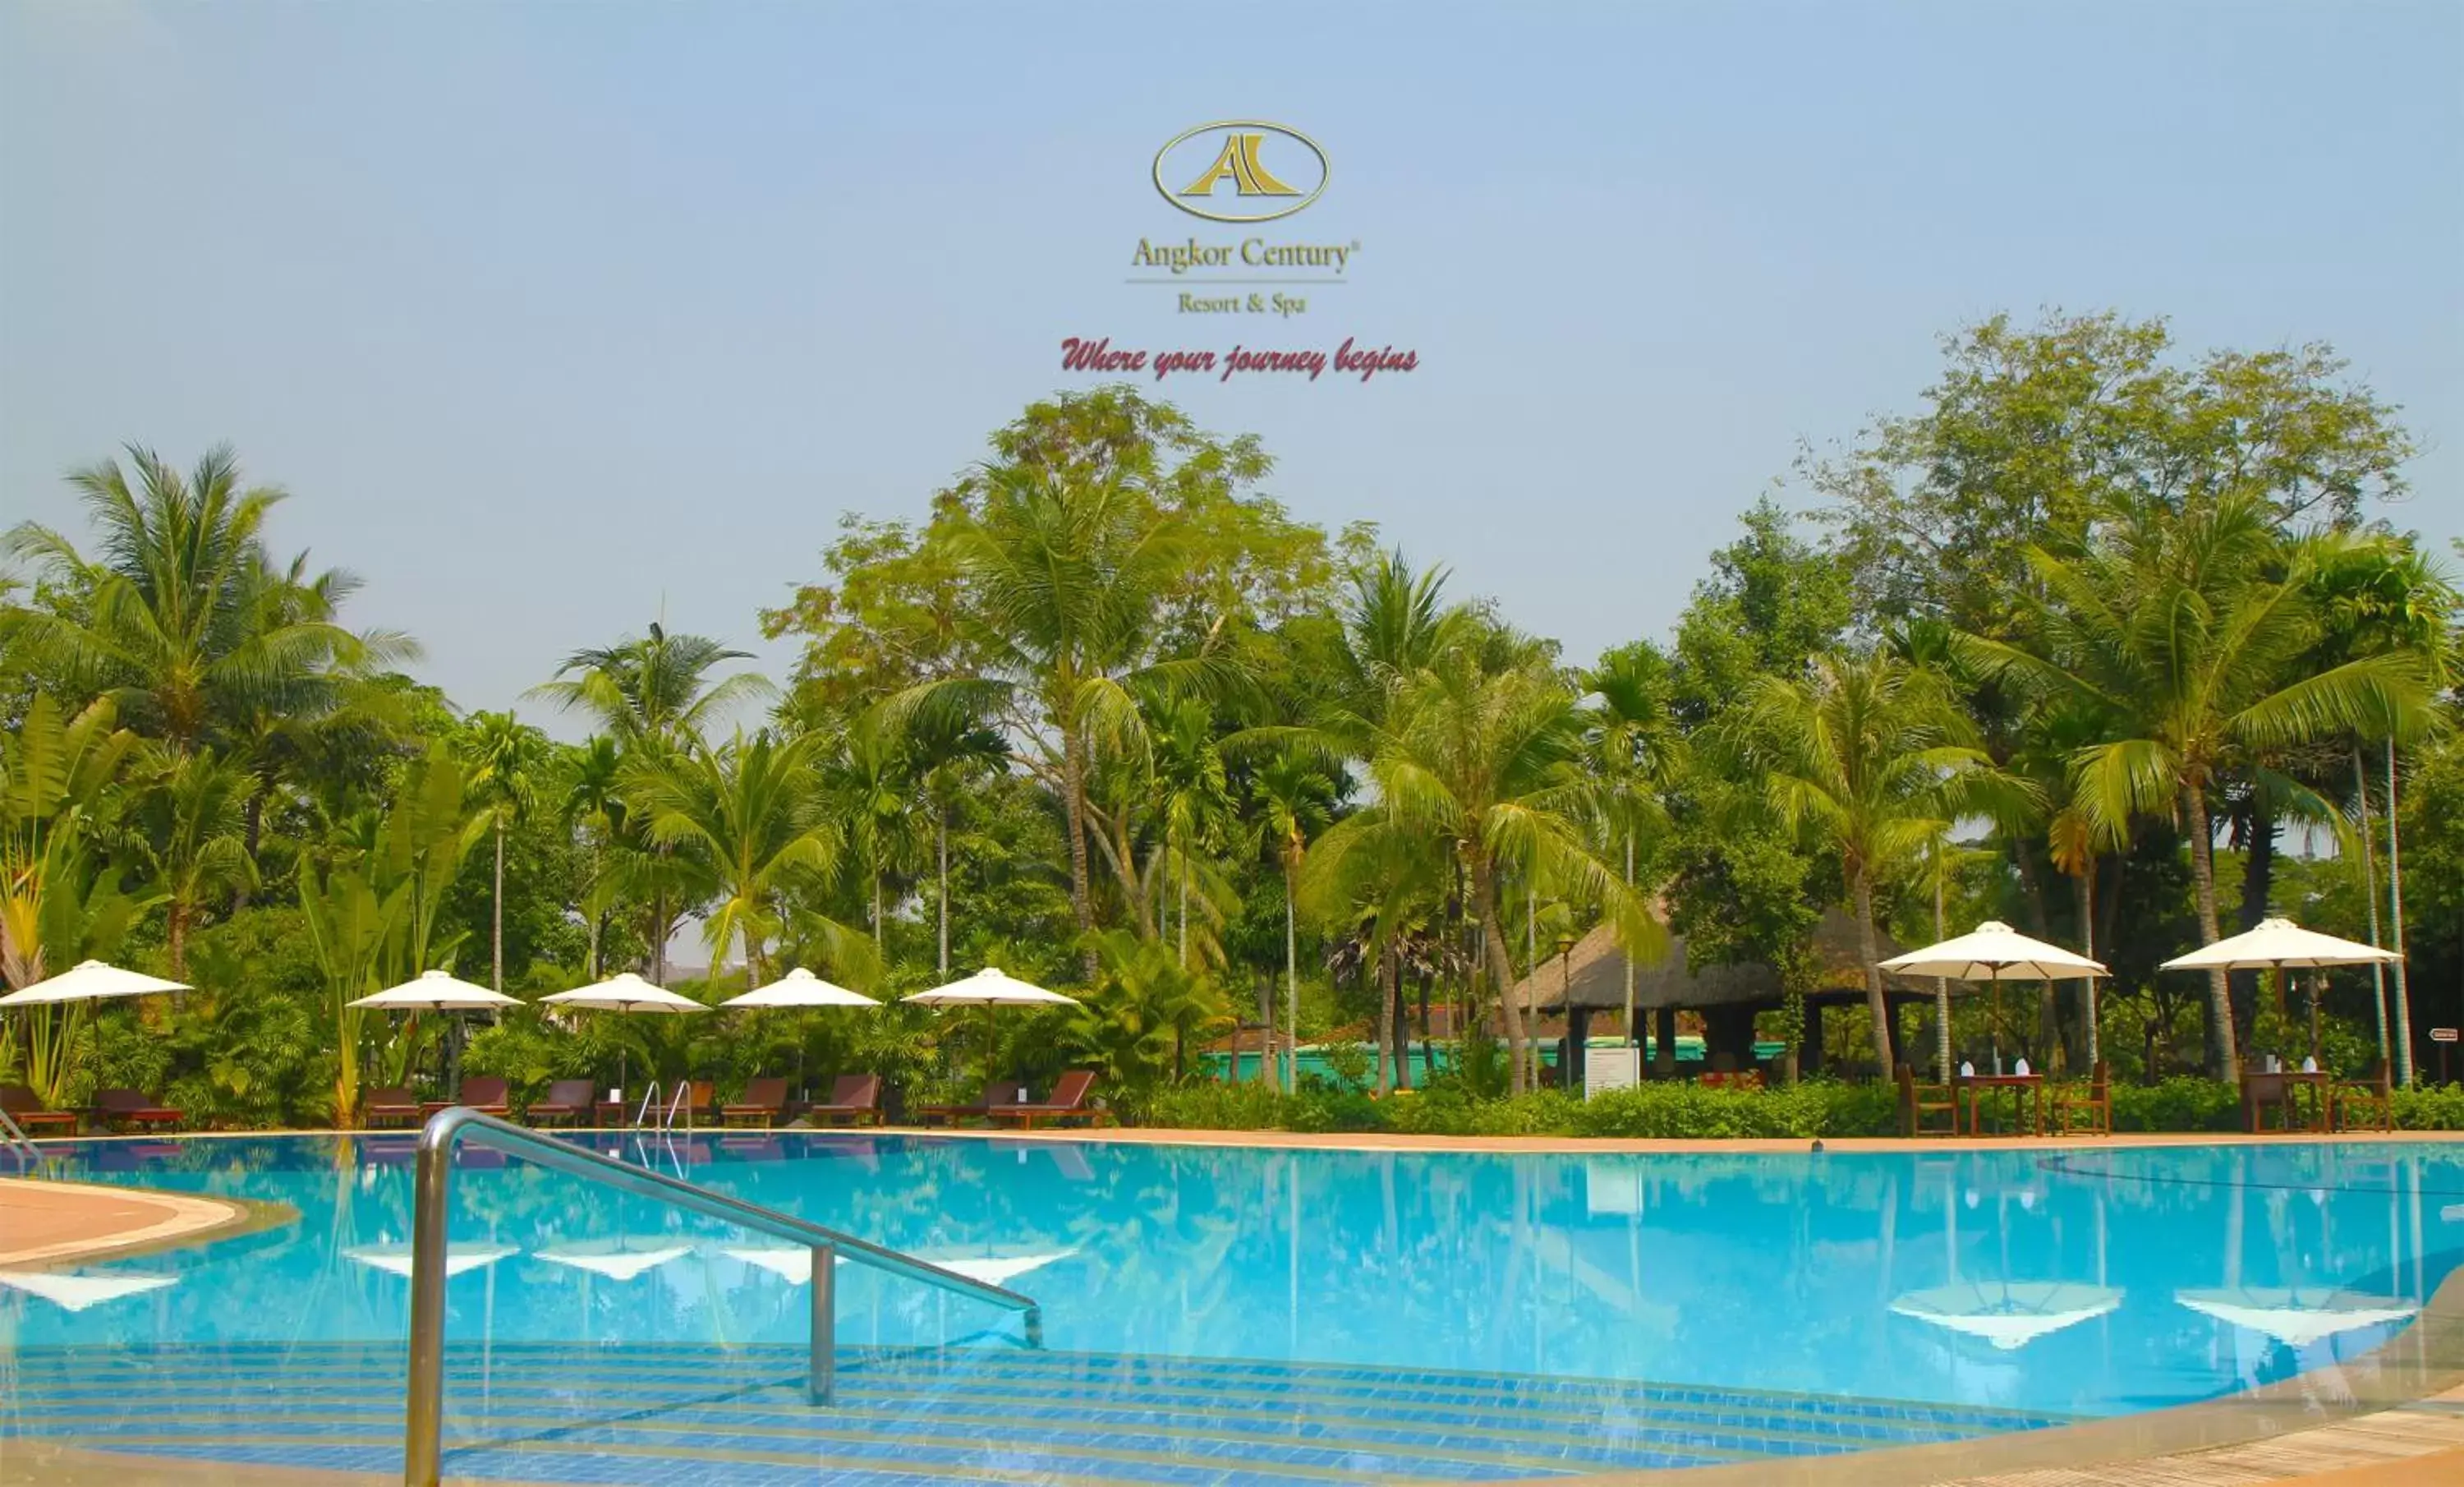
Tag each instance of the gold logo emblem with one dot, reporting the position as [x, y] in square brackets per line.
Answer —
[1257, 157]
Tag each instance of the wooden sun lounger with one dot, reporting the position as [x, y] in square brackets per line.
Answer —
[1068, 1102]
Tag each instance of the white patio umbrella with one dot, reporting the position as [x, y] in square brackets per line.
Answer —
[614, 1259]
[991, 987]
[395, 1259]
[90, 981]
[2010, 1315]
[1994, 953]
[626, 992]
[798, 988]
[76, 1293]
[436, 991]
[2280, 943]
[2294, 1315]
[988, 988]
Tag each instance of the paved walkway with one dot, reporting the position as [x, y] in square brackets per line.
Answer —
[47, 1223]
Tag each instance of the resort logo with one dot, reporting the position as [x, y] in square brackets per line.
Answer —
[1271, 171]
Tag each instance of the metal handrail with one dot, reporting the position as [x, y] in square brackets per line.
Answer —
[682, 1100]
[18, 1141]
[423, 1446]
[649, 1097]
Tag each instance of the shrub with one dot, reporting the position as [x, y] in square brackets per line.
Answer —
[2183, 1102]
[2430, 1108]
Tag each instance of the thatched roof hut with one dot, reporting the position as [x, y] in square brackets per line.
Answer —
[1591, 976]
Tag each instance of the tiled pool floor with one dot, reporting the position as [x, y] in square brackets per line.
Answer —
[538, 1413]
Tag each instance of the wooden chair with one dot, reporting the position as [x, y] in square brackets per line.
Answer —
[701, 1103]
[1068, 1102]
[123, 1108]
[484, 1092]
[391, 1106]
[1921, 1102]
[2085, 1108]
[764, 1100]
[2364, 1104]
[952, 1114]
[567, 1101]
[854, 1097]
[31, 1115]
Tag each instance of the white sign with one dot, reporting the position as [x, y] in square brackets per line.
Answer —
[1616, 1068]
[2442, 1035]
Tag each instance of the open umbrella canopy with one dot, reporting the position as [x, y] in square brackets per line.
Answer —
[76, 1293]
[2280, 941]
[436, 991]
[2009, 1314]
[991, 987]
[1995, 951]
[627, 993]
[88, 981]
[2294, 1315]
[800, 988]
[460, 1256]
[617, 1260]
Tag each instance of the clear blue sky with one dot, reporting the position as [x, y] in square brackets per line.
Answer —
[551, 315]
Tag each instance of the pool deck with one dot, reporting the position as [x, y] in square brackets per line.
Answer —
[50, 1223]
[2395, 1419]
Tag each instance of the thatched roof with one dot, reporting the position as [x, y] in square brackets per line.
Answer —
[1592, 975]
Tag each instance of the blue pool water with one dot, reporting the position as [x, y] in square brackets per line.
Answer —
[2043, 1285]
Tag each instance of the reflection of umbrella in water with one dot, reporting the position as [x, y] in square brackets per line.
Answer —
[458, 1258]
[613, 1259]
[76, 1293]
[795, 1265]
[2009, 1314]
[2294, 1315]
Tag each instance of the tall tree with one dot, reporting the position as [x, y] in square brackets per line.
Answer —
[2185, 630]
[1871, 754]
[1296, 800]
[507, 763]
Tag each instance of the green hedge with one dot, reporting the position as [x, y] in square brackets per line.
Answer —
[1688, 1111]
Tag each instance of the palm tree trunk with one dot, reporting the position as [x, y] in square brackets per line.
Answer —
[1941, 984]
[1291, 979]
[1265, 1031]
[1870, 951]
[176, 931]
[876, 903]
[1403, 1014]
[1385, 1017]
[496, 917]
[1492, 924]
[1632, 1034]
[1184, 911]
[941, 840]
[2221, 1052]
[1073, 802]
[2087, 983]
[2403, 1030]
[2370, 883]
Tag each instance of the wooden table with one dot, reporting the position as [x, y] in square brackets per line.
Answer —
[2318, 1082]
[2024, 1088]
[606, 1113]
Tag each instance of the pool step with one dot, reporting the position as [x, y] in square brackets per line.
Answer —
[543, 1412]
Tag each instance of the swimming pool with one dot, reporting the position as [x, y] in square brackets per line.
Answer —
[1454, 1315]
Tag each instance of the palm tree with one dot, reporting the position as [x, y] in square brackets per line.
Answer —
[1870, 754]
[656, 689]
[873, 787]
[1481, 753]
[1193, 794]
[184, 620]
[743, 814]
[592, 803]
[1294, 800]
[1632, 741]
[1069, 578]
[190, 826]
[507, 760]
[2186, 629]
[56, 773]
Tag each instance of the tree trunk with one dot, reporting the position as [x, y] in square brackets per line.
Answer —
[1184, 911]
[1073, 787]
[496, 918]
[1402, 1013]
[176, 931]
[1265, 1031]
[1941, 984]
[2087, 983]
[2257, 880]
[1870, 951]
[2402, 1032]
[1492, 925]
[2221, 1051]
[1385, 1017]
[941, 840]
[1633, 1034]
[876, 904]
[1428, 1047]
[2371, 881]
[1292, 978]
